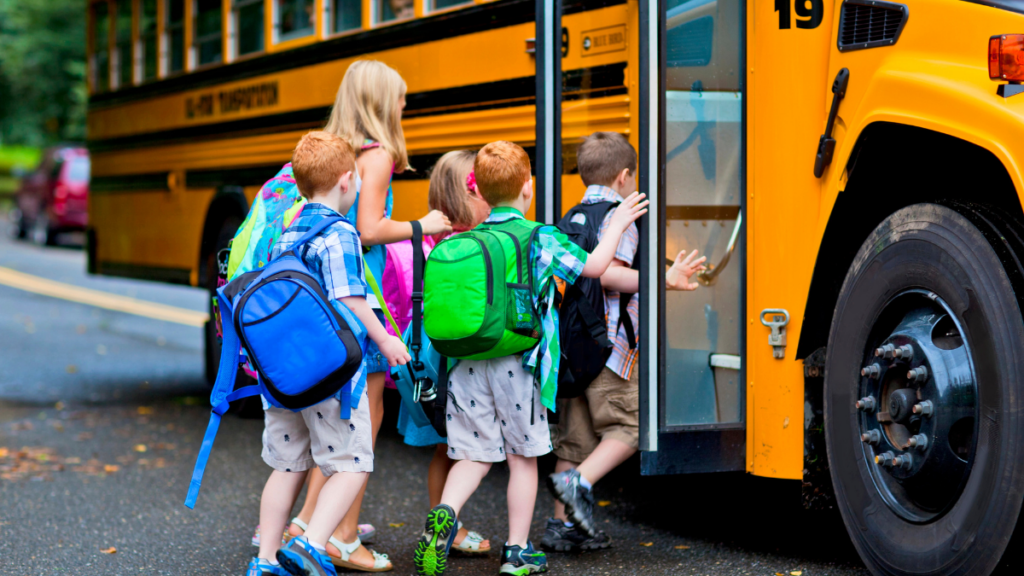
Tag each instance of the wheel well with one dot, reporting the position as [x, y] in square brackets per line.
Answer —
[893, 166]
[229, 201]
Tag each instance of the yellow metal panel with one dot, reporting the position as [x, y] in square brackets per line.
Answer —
[150, 229]
[786, 110]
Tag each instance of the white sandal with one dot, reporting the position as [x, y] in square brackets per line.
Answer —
[365, 532]
[471, 543]
[380, 561]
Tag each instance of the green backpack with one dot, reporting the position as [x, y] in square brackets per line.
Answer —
[478, 292]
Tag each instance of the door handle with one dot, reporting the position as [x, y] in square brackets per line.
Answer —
[827, 144]
[709, 276]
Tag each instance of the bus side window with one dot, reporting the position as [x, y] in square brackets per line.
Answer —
[148, 39]
[442, 4]
[207, 32]
[174, 33]
[101, 47]
[293, 18]
[125, 61]
[248, 26]
[393, 10]
[346, 15]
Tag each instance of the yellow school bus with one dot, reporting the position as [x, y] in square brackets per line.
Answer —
[851, 168]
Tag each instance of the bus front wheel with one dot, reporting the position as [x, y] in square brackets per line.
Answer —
[924, 392]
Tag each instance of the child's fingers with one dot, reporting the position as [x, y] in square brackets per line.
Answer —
[643, 204]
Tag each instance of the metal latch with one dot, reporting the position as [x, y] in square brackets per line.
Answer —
[777, 339]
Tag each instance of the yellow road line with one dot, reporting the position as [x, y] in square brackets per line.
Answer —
[38, 285]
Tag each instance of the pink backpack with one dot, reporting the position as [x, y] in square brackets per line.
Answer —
[397, 285]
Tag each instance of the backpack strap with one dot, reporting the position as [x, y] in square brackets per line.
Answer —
[222, 395]
[417, 293]
[314, 230]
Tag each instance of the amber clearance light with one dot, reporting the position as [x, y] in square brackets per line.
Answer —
[1006, 62]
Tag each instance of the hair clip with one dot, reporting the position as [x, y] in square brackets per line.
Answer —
[471, 181]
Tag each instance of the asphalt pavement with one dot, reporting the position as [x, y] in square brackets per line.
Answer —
[101, 414]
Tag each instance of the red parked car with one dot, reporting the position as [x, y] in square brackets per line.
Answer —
[54, 198]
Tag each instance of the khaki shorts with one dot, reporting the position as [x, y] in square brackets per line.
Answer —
[489, 410]
[296, 441]
[610, 408]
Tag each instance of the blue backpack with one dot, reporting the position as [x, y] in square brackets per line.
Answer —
[304, 348]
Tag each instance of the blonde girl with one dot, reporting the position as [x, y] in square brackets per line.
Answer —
[368, 114]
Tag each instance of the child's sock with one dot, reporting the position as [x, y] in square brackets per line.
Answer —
[319, 548]
[568, 524]
[586, 483]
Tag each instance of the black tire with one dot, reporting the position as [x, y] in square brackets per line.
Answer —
[962, 256]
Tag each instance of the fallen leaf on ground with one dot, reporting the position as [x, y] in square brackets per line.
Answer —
[71, 369]
[111, 468]
[796, 573]
[145, 410]
[396, 524]
[110, 550]
[682, 547]
[647, 543]
[603, 503]
[140, 448]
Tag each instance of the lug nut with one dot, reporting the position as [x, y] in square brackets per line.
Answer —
[885, 459]
[866, 404]
[904, 461]
[919, 374]
[885, 352]
[924, 408]
[905, 352]
[871, 437]
[871, 371]
[919, 441]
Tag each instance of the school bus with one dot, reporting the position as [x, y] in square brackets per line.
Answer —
[852, 169]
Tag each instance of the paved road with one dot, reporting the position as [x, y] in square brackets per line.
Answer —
[101, 413]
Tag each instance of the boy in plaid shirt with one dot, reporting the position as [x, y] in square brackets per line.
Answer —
[293, 442]
[496, 397]
[601, 429]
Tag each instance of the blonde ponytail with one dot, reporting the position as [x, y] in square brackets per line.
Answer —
[366, 107]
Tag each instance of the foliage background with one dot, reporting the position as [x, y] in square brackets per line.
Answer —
[42, 72]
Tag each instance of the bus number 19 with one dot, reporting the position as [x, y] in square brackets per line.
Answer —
[808, 13]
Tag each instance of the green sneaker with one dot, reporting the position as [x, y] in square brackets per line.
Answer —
[431, 555]
[522, 561]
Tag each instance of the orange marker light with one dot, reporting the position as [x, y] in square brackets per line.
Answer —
[1006, 57]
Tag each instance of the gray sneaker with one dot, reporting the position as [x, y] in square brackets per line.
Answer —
[561, 538]
[579, 501]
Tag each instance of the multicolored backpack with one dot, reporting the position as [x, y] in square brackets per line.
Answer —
[275, 207]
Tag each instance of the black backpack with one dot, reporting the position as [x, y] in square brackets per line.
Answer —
[583, 332]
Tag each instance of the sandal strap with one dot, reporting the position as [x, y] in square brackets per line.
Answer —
[380, 560]
[345, 549]
[298, 522]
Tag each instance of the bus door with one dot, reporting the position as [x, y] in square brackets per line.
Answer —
[692, 161]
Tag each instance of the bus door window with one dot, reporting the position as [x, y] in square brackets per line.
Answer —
[346, 15]
[294, 19]
[101, 47]
[393, 10]
[125, 63]
[248, 26]
[174, 32]
[147, 39]
[703, 165]
[207, 32]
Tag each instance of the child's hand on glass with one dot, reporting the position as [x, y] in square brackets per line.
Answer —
[631, 208]
[394, 351]
[678, 276]
[435, 223]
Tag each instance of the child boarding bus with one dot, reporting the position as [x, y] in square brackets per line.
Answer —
[852, 168]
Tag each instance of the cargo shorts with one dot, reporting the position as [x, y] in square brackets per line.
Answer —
[610, 408]
[490, 404]
[296, 441]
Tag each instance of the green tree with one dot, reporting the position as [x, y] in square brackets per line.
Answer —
[42, 71]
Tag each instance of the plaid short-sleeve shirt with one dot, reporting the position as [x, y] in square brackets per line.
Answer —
[335, 253]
